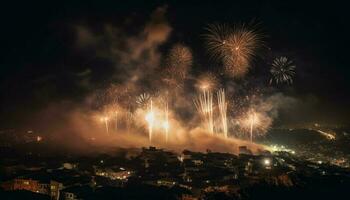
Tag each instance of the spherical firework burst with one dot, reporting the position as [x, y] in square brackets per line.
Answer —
[179, 60]
[216, 39]
[282, 70]
[234, 46]
[207, 81]
[143, 100]
[236, 66]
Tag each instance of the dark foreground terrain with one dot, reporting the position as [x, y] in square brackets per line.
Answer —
[30, 170]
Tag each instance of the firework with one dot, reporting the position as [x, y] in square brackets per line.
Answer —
[115, 111]
[216, 39]
[223, 110]
[171, 82]
[113, 93]
[150, 120]
[234, 46]
[236, 66]
[207, 81]
[116, 119]
[204, 106]
[179, 60]
[100, 99]
[177, 66]
[119, 94]
[105, 120]
[282, 70]
[252, 119]
[143, 100]
[252, 122]
[129, 119]
[166, 122]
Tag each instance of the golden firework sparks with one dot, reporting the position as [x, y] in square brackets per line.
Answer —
[223, 110]
[234, 46]
[204, 106]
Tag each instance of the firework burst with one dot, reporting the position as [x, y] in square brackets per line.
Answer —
[207, 81]
[179, 61]
[143, 100]
[216, 39]
[282, 71]
[234, 46]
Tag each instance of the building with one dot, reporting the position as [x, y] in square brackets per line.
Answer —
[21, 184]
[113, 174]
[50, 188]
[55, 188]
[76, 192]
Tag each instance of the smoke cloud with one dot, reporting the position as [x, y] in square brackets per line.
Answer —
[111, 117]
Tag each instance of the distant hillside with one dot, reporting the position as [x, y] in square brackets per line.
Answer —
[317, 139]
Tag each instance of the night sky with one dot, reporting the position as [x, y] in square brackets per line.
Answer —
[40, 63]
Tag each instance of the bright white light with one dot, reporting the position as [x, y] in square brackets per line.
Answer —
[267, 161]
[165, 125]
[150, 117]
[104, 119]
[204, 86]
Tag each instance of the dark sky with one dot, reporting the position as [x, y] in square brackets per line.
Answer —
[39, 59]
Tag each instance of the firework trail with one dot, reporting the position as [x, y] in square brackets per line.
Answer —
[114, 112]
[166, 122]
[129, 120]
[150, 120]
[204, 106]
[234, 46]
[111, 101]
[252, 121]
[223, 110]
[114, 93]
[105, 121]
[116, 120]
[282, 70]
